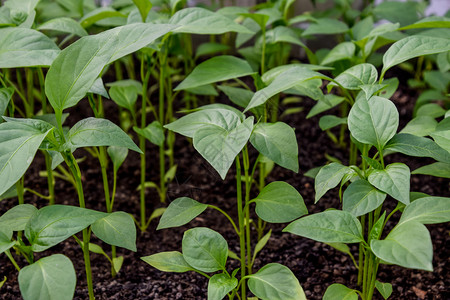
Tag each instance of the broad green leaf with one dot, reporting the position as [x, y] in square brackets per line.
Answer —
[279, 202]
[124, 96]
[429, 22]
[204, 90]
[442, 134]
[17, 217]
[437, 169]
[433, 110]
[272, 74]
[180, 211]
[154, 132]
[92, 132]
[53, 224]
[427, 210]
[321, 106]
[202, 21]
[5, 96]
[10, 193]
[238, 96]
[99, 14]
[404, 13]
[394, 180]
[275, 282]
[340, 247]
[353, 78]
[19, 142]
[338, 291]
[333, 226]
[190, 123]
[64, 25]
[407, 245]
[413, 46]
[325, 26]
[345, 50]
[373, 121]
[330, 121]
[116, 229]
[98, 88]
[23, 47]
[219, 285]
[276, 141]
[282, 34]
[218, 68]
[385, 289]
[210, 49]
[117, 155]
[328, 177]
[361, 197]
[5, 242]
[420, 126]
[172, 261]
[220, 146]
[260, 19]
[417, 146]
[286, 80]
[50, 278]
[205, 249]
[144, 7]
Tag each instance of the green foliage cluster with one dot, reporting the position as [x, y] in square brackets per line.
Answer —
[53, 54]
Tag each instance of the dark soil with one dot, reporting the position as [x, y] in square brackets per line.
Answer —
[316, 265]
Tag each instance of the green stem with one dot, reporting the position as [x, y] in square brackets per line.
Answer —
[162, 165]
[102, 157]
[42, 87]
[361, 254]
[227, 216]
[241, 225]
[29, 110]
[13, 261]
[36, 193]
[248, 181]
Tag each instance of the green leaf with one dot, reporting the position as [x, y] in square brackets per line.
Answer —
[210, 49]
[50, 278]
[338, 291]
[373, 121]
[219, 285]
[19, 142]
[328, 177]
[394, 180]
[154, 132]
[321, 105]
[202, 21]
[442, 134]
[420, 126]
[429, 22]
[124, 96]
[117, 155]
[385, 289]
[5, 97]
[326, 26]
[93, 132]
[437, 169]
[276, 141]
[345, 50]
[64, 25]
[433, 110]
[220, 146]
[427, 210]
[172, 261]
[116, 229]
[261, 244]
[98, 88]
[286, 80]
[17, 217]
[333, 226]
[180, 211]
[275, 282]
[189, 124]
[218, 68]
[361, 197]
[407, 245]
[238, 96]
[204, 90]
[5, 242]
[99, 14]
[3, 281]
[417, 146]
[413, 46]
[144, 7]
[377, 228]
[279, 202]
[330, 121]
[283, 34]
[353, 78]
[205, 249]
[53, 224]
[23, 47]
[117, 263]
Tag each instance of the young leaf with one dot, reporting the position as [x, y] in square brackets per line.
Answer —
[64, 25]
[407, 245]
[116, 229]
[5, 96]
[153, 132]
[437, 169]
[333, 226]
[330, 121]
[220, 146]
[219, 285]
[420, 126]
[99, 14]
[373, 121]
[91, 132]
[117, 155]
[328, 177]
[279, 202]
[353, 78]
[124, 96]
[53, 224]
[345, 50]
[172, 261]
[218, 68]
[275, 282]
[427, 210]
[23, 47]
[394, 180]
[442, 134]
[144, 7]
[180, 211]
[377, 228]
[321, 105]
[5, 241]
[261, 244]
[238, 96]
[413, 46]
[52, 278]
[17, 217]
[338, 291]
[276, 141]
[98, 88]
[361, 197]
[205, 249]
[19, 142]
[117, 263]
[325, 26]
[385, 289]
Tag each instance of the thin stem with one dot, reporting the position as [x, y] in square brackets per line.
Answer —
[103, 159]
[13, 261]
[246, 160]
[227, 216]
[241, 225]
[361, 254]
[162, 164]
[36, 193]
